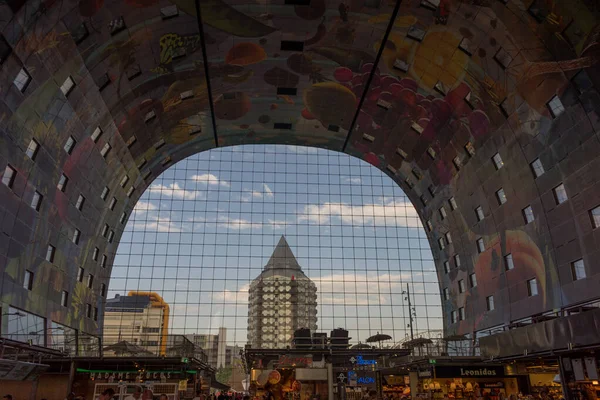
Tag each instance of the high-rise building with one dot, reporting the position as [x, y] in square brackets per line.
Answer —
[141, 318]
[281, 299]
[214, 345]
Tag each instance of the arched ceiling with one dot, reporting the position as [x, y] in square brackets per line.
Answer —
[428, 91]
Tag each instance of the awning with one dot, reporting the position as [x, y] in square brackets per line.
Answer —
[218, 385]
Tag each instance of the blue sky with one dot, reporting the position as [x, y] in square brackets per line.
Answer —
[207, 226]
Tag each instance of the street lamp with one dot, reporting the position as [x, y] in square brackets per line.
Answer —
[412, 313]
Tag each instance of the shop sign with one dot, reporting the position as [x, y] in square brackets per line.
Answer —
[295, 361]
[424, 373]
[469, 372]
[360, 378]
[492, 385]
[130, 375]
[359, 360]
[394, 380]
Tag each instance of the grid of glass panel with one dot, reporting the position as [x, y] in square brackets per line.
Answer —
[206, 228]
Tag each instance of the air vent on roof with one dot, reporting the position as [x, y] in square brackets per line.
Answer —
[169, 12]
[368, 137]
[103, 82]
[297, 2]
[287, 91]
[333, 128]
[291, 45]
[282, 125]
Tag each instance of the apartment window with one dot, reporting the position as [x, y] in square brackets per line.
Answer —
[105, 230]
[50, 253]
[448, 237]
[80, 273]
[443, 212]
[70, 145]
[123, 217]
[461, 286]
[96, 134]
[95, 254]
[446, 267]
[560, 194]
[528, 214]
[130, 191]
[28, 280]
[64, 298]
[22, 80]
[67, 86]
[595, 216]
[501, 196]
[76, 236]
[537, 168]
[111, 236]
[88, 310]
[461, 314]
[32, 149]
[124, 181]
[9, 176]
[113, 203]
[555, 106]
[431, 152]
[105, 149]
[479, 213]
[95, 313]
[103, 290]
[103, 262]
[578, 270]
[470, 149]
[532, 287]
[430, 226]
[457, 260]
[452, 202]
[36, 200]
[457, 162]
[446, 294]
[489, 301]
[90, 280]
[473, 280]
[497, 160]
[80, 201]
[441, 243]
[508, 262]
[453, 317]
[480, 245]
[62, 183]
[104, 193]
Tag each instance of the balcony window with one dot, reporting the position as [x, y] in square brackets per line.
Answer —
[70, 145]
[500, 196]
[490, 303]
[473, 280]
[448, 237]
[36, 200]
[64, 298]
[497, 160]
[32, 149]
[537, 168]
[22, 80]
[443, 214]
[479, 213]
[441, 243]
[480, 245]
[452, 202]
[457, 260]
[50, 253]
[9, 176]
[461, 314]
[446, 267]
[76, 236]
[532, 287]
[578, 270]
[62, 183]
[80, 202]
[446, 294]
[461, 286]
[508, 262]
[28, 280]
[528, 214]
[560, 194]
[595, 216]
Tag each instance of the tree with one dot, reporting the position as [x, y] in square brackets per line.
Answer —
[223, 375]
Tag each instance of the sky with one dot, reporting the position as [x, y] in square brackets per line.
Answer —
[207, 226]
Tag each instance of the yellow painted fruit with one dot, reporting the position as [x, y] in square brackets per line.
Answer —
[437, 59]
[331, 103]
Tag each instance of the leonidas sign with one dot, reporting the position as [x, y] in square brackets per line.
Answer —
[295, 361]
[495, 371]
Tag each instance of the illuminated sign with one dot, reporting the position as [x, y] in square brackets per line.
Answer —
[295, 361]
[359, 360]
[356, 378]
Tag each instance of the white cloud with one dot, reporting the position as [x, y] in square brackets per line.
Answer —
[255, 194]
[231, 296]
[353, 180]
[158, 224]
[389, 212]
[238, 223]
[143, 206]
[210, 179]
[302, 149]
[268, 191]
[174, 190]
[277, 223]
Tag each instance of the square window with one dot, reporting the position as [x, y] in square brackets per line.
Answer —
[500, 196]
[9, 176]
[104, 193]
[532, 287]
[578, 270]
[497, 160]
[503, 58]
[22, 80]
[95, 254]
[453, 317]
[28, 280]
[473, 280]
[64, 298]
[123, 217]
[446, 294]
[415, 33]
[508, 262]
[80, 273]
[441, 243]
[431, 153]
[470, 149]
[90, 280]
[401, 153]
[62, 183]
[50, 253]
[105, 230]
[70, 145]
[103, 290]
[457, 162]
[461, 314]
[67, 86]
[461, 286]
[480, 245]
[96, 134]
[36, 200]
[432, 189]
[446, 267]
[479, 213]
[442, 211]
[103, 262]
[448, 237]
[105, 149]
[457, 260]
[556, 107]
[452, 202]
[528, 214]
[88, 310]
[80, 201]
[159, 144]
[595, 216]
[423, 199]
[430, 226]
[490, 303]
[560, 194]
[32, 149]
[113, 203]
[124, 181]
[537, 168]
[111, 236]
[76, 236]
[130, 191]
[465, 45]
